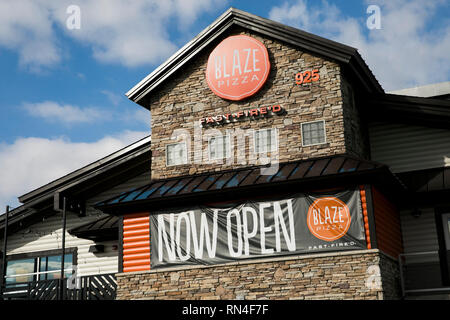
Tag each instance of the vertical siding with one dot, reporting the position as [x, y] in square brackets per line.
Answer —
[406, 147]
[47, 234]
[387, 224]
[136, 242]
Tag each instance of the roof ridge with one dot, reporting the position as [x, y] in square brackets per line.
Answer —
[310, 42]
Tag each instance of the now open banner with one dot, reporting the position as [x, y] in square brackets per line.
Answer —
[303, 223]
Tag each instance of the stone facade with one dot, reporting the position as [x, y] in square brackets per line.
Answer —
[184, 99]
[181, 102]
[365, 274]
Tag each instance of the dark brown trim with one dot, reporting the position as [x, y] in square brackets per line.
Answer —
[410, 110]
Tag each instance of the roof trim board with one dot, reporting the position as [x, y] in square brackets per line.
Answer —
[89, 171]
[234, 17]
[435, 112]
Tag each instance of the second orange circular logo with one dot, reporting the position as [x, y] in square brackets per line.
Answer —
[328, 218]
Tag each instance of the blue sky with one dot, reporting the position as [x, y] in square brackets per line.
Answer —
[62, 90]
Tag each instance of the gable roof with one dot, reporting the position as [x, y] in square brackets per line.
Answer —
[93, 178]
[346, 55]
[90, 171]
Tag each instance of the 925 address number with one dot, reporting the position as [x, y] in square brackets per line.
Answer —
[307, 76]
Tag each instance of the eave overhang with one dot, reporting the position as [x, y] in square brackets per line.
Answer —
[308, 176]
[412, 110]
[343, 54]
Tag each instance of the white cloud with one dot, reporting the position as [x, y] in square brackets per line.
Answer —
[67, 114]
[26, 27]
[140, 115]
[114, 98]
[31, 162]
[406, 51]
[129, 32]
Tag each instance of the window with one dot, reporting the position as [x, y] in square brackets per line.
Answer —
[219, 147]
[313, 133]
[176, 154]
[266, 140]
[22, 269]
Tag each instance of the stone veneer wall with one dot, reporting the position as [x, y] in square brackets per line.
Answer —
[186, 98]
[343, 275]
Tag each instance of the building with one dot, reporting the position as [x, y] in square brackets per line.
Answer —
[278, 168]
[35, 229]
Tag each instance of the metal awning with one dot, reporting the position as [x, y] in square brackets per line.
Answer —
[103, 229]
[240, 180]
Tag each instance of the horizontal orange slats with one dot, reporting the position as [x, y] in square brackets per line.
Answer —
[136, 238]
[135, 228]
[138, 268]
[137, 232]
[135, 263]
[128, 221]
[137, 256]
[136, 244]
[135, 250]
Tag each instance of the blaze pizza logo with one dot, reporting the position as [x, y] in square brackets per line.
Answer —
[328, 218]
[237, 68]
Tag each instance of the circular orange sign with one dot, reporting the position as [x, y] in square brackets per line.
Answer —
[328, 218]
[237, 68]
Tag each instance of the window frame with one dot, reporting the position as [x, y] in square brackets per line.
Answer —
[167, 154]
[228, 149]
[276, 140]
[41, 254]
[324, 133]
